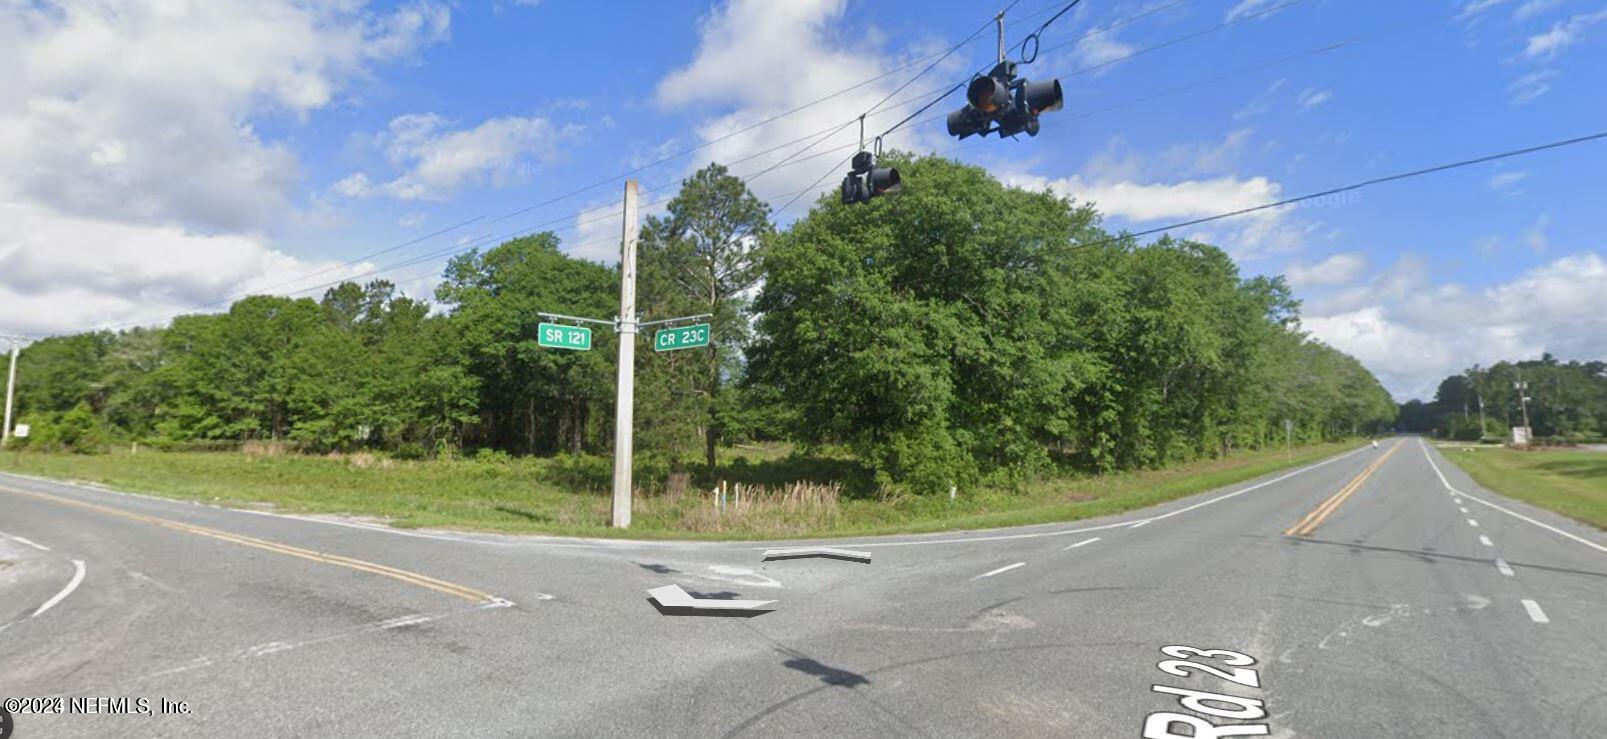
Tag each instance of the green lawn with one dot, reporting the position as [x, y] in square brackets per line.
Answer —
[1568, 482]
[571, 496]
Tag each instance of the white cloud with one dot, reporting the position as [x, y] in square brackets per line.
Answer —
[1246, 237]
[1533, 8]
[1145, 188]
[140, 111]
[62, 273]
[1099, 48]
[1504, 180]
[1260, 104]
[1157, 201]
[126, 134]
[1561, 35]
[438, 161]
[1412, 333]
[793, 41]
[1535, 235]
[1475, 7]
[1335, 270]
[1312, 97]
[1246, 7]
[1530, 86]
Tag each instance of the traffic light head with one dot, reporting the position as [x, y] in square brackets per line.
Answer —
[988, 95]
[1043, 96]
[862, 162]
[966, 121]
[884, 180]
[866, 180]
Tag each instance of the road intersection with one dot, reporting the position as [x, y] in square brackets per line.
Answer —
[1379, 592]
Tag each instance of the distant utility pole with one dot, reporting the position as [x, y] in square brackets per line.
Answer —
[1481, 417]
[1523, 402]
[624, 400]
[11, 381]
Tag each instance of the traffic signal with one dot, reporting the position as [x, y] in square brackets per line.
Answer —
[865, 180]
[998, 102]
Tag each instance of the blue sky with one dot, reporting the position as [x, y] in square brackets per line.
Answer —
[165, 157]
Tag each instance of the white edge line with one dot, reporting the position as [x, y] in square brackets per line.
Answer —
[1119, 524]
[78, 577]
[1535, 614]
[1080, 543]
[1514, 514]
[628, 544]
[1005, 568]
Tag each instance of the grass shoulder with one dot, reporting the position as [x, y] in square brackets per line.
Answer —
[1573, 483]
[767, 493]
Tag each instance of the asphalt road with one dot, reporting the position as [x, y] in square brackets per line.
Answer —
[1410, 605]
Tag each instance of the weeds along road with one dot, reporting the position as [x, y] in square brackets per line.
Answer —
[1375, 593]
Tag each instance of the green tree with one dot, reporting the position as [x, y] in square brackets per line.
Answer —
[702, 257]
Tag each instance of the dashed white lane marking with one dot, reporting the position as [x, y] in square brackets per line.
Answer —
[1535, 614]
[1473, 523]
[1485, 540]
[1463, 509]
[33, 544]
[1137, 524]
[1006, 568]
[78, 577]
[1080, 543]
[1514, 514]
[1502, 565]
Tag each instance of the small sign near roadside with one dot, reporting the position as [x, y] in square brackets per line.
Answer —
[559, 336]
[683, 337]
[21, 430]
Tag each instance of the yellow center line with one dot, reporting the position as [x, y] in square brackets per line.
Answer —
[1312, 520]
[411, 578]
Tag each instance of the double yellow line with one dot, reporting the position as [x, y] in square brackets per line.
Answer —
[1312, 520]
[411, 578]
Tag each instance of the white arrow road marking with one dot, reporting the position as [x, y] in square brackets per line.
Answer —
[827, 552]
[78, 577]
[1006, 568]
[1535, 614]
[740, 576]
[672, 596]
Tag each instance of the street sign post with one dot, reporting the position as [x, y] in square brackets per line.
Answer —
[681, 337]
[559, 336]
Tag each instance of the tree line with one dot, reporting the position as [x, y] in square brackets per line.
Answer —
[1567, 401]
[960, 331]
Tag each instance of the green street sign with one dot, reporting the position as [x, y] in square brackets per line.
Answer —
[558, 336]
[683, 337]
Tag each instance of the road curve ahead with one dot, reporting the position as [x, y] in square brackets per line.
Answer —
[1377, 593]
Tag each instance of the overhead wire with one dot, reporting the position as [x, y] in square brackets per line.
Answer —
[830, 131]
[795, 195]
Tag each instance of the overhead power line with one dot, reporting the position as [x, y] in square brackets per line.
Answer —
[1371, 182]
[939, 56]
